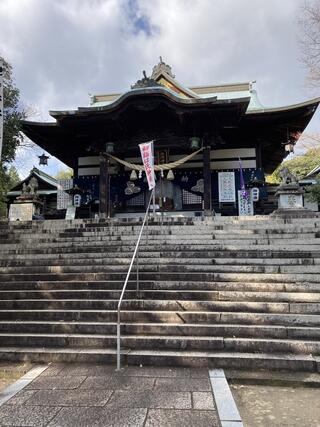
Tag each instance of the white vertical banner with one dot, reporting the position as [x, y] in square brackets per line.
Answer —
[1, 108]
[147, 155]
[245, 204]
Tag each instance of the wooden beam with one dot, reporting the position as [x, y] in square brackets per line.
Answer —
[104, 188]
[207, 193]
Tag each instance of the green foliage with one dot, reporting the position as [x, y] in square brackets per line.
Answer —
[8, 178]
[313, 192]
[13, 177]
[64, 174]
[13, 113]
[299, 165]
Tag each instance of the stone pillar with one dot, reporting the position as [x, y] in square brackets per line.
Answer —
[207, 193]
[104, 187]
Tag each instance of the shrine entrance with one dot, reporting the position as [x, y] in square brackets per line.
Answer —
[216, 124]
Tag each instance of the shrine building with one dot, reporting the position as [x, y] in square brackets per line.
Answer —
[209, 137]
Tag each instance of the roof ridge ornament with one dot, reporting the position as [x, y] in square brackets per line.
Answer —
[162, 66]
[145, 82]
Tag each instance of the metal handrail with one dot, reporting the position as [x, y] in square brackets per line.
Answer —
[136, 251]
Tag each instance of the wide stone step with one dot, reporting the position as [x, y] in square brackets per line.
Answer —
[145, 294]
[200, 250]
[212, 330]
[165, 230]
[129, 221]
[165, 305]
[153, 316]
[218, 251]
[213, 359]
[153, 285]
[120, 259]
[164, 276]
[169, 233]
[169, 241]
[153, 238]
[158, 267]
[254, 345]
[217, 223]
[233, 228]
[165, 267]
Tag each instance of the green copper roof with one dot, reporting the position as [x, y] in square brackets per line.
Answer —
[254, 104]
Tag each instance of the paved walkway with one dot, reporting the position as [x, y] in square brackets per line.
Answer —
[96, 395]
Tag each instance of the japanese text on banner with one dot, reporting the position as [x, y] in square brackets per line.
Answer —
[146, 150]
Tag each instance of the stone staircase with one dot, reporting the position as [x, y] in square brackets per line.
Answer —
[226, 292]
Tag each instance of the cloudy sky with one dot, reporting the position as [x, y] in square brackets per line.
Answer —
[62, 50]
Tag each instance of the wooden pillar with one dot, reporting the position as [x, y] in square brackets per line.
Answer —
[207, 193]
[104, 187]
[258, 156]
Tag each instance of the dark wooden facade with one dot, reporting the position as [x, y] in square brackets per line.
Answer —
[160, 109]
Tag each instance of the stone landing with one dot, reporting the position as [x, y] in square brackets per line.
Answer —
[96, 395]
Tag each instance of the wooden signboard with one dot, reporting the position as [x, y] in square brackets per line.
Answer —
[227, 188]
[71, 212]
[63, 198]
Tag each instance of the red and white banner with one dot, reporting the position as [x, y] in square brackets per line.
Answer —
[148, 162]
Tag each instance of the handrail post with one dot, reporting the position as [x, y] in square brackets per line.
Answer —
[138, 288]
[147, 229]
[135, 253]
[118, 342]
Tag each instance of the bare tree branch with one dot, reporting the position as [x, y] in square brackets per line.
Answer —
[309, 22]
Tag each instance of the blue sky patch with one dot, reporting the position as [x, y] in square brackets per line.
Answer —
[141, 22]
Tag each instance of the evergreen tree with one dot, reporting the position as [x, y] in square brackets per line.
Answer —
[299, 165]
[64, 174]
[13, 113]
[8, 178]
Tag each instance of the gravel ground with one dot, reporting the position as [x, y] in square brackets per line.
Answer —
[277, 406]
[10, 372]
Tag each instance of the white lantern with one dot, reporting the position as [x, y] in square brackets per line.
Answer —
[77, 200]
[255, 194]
